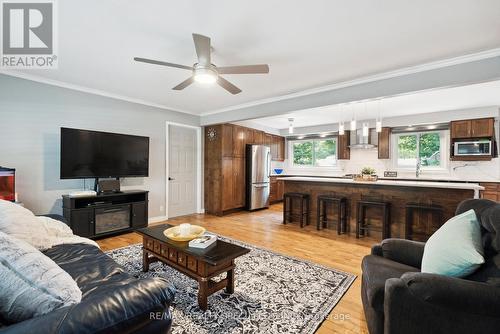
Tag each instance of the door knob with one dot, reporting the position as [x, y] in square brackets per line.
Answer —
[170, 178]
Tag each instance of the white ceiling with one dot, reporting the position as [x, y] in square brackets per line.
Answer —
[307, 44]
[472, 96]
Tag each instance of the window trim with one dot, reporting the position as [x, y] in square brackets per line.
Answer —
[444, 138]
[291, 163]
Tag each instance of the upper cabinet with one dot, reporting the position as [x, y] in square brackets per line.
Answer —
[344, 153]
[227, 140]
[472, 128]
[258, 137]
[384, 143]
[239, 141]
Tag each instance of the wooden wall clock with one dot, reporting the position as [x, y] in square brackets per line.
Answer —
[211, 134]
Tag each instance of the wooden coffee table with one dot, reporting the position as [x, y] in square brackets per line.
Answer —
[200, 264]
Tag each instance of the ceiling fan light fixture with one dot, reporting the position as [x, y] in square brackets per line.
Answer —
[205, 76]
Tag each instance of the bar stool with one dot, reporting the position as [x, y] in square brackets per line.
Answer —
[435, 210]
[338, 203]
[361, 225]
[288, 207]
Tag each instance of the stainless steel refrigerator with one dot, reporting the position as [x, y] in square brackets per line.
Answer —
[258, 168]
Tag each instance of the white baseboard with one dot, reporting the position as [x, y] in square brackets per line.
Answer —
[157, 219]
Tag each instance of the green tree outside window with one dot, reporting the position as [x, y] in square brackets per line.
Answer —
[317, 152]
[426, 146]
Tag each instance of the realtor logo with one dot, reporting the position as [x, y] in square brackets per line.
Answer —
[28, 34]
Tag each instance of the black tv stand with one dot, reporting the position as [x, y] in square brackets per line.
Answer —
[106, 214]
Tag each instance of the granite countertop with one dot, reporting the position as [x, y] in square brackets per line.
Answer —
[398, 183]
[401, 178]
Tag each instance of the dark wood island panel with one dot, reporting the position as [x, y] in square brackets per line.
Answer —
[398, 196]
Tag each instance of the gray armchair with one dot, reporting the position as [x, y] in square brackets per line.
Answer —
[398, 298]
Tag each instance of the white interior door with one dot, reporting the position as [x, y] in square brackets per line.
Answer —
[182, 171]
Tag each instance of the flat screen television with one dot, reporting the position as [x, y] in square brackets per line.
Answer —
[94, 154]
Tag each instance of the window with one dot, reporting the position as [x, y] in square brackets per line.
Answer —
[429, 147]
[314, 152]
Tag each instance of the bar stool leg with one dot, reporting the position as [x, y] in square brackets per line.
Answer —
[301, 213]
[408, 223]
[339, 217]
[358, 219]
[344, 217]
[387, 222]
[325, 214]
[318, 214]
[284, 210]
[307, 211]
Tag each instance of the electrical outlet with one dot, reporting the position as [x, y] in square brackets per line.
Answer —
[161, 208]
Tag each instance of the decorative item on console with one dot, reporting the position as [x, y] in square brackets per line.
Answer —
[367, 174]
[7, 184]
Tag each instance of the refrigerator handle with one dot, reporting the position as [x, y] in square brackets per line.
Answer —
[268, 164]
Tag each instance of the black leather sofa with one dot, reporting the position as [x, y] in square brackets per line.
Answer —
[398, 298]
[113, 301]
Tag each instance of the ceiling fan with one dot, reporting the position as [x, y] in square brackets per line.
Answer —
[206, 72]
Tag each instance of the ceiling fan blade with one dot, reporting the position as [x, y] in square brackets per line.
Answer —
[244, 69]
[184, 84]
[228, 86]
[157, 62]
[202, 45]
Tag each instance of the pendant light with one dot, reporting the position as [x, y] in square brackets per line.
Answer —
[378, 123]
[290, 126]
[353, 120]
[366, 130]
[341, 123]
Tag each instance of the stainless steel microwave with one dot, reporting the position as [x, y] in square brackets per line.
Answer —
[472, 148]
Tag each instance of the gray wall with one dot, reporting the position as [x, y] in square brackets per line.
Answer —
[31, 115]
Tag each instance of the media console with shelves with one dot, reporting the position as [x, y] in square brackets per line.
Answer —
[106, 214]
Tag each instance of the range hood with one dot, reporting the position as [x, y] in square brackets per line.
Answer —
[358, 141]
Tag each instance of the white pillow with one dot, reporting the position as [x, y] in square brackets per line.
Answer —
[31, 284]
[22, 224]
[455, 249]
[40, 232]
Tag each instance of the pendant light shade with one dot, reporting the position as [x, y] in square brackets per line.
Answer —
[341, 129]
[366, 130]
[378, 124]
[353, 125]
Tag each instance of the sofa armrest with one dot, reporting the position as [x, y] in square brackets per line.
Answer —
[429, 303]
[377, 250]
[127, 309]
[455, 293]
[403, 251]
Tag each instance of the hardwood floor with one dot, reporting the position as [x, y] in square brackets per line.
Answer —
[265, 229]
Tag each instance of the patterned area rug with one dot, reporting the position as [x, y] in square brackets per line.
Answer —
[273, 294]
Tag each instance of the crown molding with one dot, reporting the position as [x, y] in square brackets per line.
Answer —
[93, 91]
[380, 76]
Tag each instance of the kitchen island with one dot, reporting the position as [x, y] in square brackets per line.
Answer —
[398, 193]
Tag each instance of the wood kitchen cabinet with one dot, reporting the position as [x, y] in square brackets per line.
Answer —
[483, 127]
[225, 164]
[239, 185]
[384, 143]
[258, 137]
[472, 128]
[226, 140]
[239, 141]
[491, 191]
[343, 142]
[227, 184]
[276, 190]
[233, 183]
